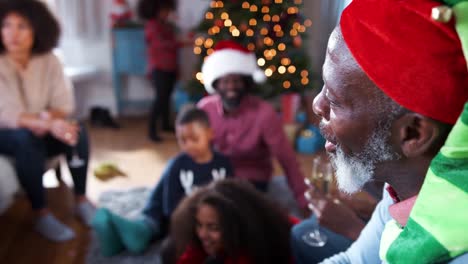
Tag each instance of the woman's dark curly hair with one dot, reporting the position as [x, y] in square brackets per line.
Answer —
[250, 224]
[148, 9]
[44, 25]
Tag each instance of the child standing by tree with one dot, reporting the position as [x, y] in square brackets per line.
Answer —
[197, 165]
[162, 60]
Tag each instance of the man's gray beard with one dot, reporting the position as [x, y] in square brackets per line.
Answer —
[353, 172]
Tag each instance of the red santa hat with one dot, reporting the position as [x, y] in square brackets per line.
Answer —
[411, 54]
[230, 57]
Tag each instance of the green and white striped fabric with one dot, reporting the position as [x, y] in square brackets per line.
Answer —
[437, 229]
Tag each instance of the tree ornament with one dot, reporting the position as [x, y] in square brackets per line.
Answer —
[219, 23]
[243, 27]
[260, 43]
[297, 41]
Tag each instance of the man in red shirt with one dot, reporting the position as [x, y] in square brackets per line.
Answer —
[247, 129]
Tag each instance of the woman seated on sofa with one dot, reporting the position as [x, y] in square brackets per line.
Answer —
[35, 104]
[228, 221]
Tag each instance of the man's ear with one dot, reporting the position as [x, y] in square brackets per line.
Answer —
[416, 134]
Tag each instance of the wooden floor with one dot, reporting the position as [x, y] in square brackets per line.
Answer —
[129, 148]
[19, 243]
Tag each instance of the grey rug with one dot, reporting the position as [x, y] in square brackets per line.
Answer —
[129, 203]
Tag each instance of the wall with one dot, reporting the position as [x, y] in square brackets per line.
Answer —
[324, 15]
[96, 50]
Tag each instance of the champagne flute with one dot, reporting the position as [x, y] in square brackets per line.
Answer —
[318, 179]
[76, 161]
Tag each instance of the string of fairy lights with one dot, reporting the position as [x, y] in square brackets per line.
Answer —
[268, 28]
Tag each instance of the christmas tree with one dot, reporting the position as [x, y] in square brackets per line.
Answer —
[273, 29]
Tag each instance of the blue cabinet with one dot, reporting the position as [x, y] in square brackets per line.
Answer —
[129, 58]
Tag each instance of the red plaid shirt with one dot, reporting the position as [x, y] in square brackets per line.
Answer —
[162, 46]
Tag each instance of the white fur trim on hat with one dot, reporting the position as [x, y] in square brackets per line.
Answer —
[228, 61]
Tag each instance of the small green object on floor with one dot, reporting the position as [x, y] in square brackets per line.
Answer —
[107, 171]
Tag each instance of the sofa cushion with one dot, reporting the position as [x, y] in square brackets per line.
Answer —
[9, 185]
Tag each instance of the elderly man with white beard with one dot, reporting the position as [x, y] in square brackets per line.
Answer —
[395, 82]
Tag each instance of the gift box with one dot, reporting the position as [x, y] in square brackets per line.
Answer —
[309, 140]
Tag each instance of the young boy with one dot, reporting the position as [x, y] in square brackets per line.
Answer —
[196, 165]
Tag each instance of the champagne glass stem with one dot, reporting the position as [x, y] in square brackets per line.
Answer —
[76, 161]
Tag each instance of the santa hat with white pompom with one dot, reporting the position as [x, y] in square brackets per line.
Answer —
[229, 57]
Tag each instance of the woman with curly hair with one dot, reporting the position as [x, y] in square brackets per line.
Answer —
[229, 221]
[35, 104]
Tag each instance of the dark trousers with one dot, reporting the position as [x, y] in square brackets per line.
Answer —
[163, 82]
[31, 153]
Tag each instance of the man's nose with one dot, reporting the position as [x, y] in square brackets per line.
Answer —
[320, 106]
[231, 85]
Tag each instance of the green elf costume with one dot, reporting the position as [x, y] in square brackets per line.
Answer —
[431, 227]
